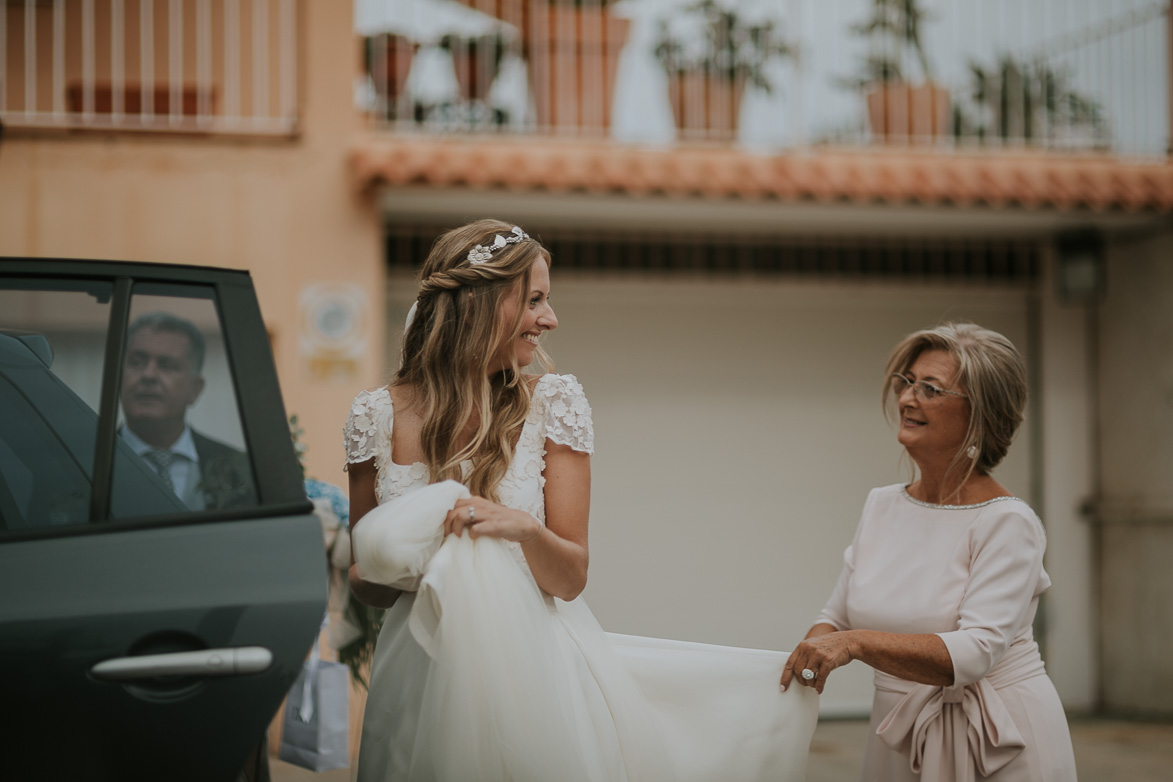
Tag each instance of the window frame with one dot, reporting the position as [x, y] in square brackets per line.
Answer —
[264, 424]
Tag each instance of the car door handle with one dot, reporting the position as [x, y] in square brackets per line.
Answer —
[207, 662]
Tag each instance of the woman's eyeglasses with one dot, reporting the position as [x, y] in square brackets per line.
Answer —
[926, 392]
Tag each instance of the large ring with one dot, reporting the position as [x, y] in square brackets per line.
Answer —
[472, 514]
[808, 674]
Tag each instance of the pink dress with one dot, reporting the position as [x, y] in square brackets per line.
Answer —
[972, 574]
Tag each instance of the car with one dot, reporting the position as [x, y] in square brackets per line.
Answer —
[153, 617]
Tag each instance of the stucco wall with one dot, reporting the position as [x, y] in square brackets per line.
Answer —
[284, 209]
[1136, 468]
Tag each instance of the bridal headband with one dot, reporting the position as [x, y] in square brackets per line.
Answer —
[483, 253]
[476, 256]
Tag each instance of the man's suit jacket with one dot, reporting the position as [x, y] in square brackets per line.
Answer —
[226, 477]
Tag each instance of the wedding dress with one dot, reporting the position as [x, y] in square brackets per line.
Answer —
[478, 674]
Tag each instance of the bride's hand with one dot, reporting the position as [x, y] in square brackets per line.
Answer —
[483, 518]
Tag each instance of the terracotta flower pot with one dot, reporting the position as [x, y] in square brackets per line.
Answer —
[706, 106]
[573, 55]
[475, 69]
[392, 56]
[907, 113]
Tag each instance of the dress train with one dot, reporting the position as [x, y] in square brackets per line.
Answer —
[480, 675]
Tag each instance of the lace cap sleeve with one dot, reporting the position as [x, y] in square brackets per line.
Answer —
[359, 435]
[567, 415]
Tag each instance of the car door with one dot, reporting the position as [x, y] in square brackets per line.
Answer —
[152, 617]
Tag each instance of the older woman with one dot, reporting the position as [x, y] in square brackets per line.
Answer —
[940, 586]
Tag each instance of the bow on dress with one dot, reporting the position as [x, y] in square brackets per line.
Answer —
[935, 726]
[942, 728]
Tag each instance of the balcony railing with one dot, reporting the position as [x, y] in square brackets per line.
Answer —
[1055, 75]
[204, 66]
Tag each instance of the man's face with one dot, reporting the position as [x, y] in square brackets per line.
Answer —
[158, 381]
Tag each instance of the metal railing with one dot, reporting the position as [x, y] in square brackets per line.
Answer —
[203, 66]
[1062, 75]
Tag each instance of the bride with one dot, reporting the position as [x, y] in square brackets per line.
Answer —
[470, 481]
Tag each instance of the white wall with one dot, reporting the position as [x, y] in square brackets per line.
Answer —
[1136, 470]
[1068, 611]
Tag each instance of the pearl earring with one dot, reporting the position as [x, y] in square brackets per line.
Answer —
[972, 452]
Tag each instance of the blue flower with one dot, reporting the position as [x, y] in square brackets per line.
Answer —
[315, 489]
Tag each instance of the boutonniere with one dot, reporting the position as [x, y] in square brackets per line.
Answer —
[226, 481]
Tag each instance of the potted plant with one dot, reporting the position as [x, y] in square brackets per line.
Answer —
[1028, 103]
[573, 46]
[710, 52]
[899, 108]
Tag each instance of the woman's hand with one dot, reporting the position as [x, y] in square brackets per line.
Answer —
[920, 657]
[819, 654]
[483, 518]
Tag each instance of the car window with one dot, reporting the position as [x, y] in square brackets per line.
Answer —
[178, 410]
[42, 484]
[51, 356]
[179, 446]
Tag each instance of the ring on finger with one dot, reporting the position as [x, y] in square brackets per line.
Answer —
[808, 674]
[472, 514]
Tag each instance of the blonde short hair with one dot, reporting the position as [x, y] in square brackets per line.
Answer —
[992, 375]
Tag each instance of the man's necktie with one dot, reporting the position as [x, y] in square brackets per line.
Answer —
[161, 461]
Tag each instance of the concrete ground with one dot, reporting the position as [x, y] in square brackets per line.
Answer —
[1105, 751]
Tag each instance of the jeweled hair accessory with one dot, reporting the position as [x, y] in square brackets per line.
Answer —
[482, 253]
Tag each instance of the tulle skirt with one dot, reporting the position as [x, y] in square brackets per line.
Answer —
[479, 675]
[535, 690]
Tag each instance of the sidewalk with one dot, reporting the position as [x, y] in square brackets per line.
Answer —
[1105, 751]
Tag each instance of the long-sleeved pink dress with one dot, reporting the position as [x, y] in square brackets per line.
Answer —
[972, 574]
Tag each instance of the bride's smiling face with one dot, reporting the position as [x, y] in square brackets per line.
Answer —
[539, 317]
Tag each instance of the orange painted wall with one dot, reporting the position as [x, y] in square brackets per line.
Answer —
[285, 209]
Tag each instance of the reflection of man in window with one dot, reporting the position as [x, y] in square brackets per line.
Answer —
[161, 379]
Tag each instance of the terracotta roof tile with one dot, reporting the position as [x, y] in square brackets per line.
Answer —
[831, 175]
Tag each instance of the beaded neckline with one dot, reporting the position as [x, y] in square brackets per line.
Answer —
[923, 504]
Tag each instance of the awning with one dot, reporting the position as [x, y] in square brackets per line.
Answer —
[863, 176]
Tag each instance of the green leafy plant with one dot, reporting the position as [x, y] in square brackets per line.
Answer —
[897, 26]
[714, 38]
[1027, 101]
[357, 654]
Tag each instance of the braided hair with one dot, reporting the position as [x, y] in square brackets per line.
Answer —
[448, 348]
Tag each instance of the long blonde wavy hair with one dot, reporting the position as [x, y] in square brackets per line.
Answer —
[457, 329]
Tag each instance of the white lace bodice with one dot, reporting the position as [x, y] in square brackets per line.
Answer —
[558, 412]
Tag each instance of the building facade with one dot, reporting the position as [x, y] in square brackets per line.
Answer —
[729, 275]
